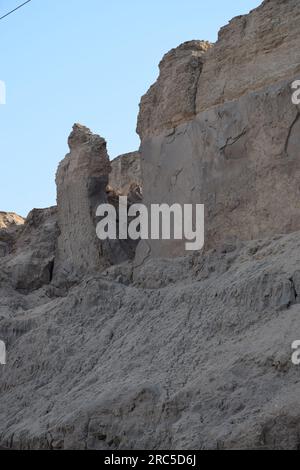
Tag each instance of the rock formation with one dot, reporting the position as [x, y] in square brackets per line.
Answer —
[238, 152]
[82, 178]
[82, 181]
[194, 354]
[253, 52]
[168, 352]
[28, 251]
[10, 218]
[125, 172]
[171, 100]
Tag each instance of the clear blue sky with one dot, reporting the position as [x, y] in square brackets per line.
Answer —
[90, 61]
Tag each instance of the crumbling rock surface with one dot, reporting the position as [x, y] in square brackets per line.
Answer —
[239, 155]
[82, 178]
[190, 352]
[10, 218]
[186, 354]
[171, 100]
[254, 51]
[125, 171]
[28, 251]
[125, 179]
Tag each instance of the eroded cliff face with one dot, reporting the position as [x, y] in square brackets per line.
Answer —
[28, 251]
[239, 154]
[192, 352]
[125, 172]
[82, 178]
[253, 52]
[59, 245]
[171, 100]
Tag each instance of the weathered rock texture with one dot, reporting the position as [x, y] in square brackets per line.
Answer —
[10, 218]
[193, 353]
[186, 353]
[171, 100]
[28, 251]
[123, 250]
[82, 178]
[254, 51]
[125, 171]
[82, 181]
[240, 154]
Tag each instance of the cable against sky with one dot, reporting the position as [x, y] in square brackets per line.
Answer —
[15, 9]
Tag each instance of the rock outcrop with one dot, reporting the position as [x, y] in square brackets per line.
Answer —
[125, 172]
[82, 185]
[10, 218]
[28, 251]
[82, 178]
[171, 100]
[239, 155]
[168, 352]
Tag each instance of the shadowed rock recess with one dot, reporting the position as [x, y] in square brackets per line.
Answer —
[113, 346]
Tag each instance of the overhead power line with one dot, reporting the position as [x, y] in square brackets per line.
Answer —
[15, 9]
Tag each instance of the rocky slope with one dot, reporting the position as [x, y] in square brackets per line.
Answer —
[168, 351]
[193, 353]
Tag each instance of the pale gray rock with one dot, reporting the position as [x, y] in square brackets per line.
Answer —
[239, 154]
[82, 185]
[28, 258]
[240, 159]
[254, 51]
[200, 360]
[169, 352]
[125, 171]
[171, 100]
[82, 178]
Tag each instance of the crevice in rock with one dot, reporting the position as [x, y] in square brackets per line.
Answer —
[51, 269]
[294, 292]
[232, 140]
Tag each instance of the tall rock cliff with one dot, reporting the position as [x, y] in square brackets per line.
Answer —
[180, 353]
[235, 149]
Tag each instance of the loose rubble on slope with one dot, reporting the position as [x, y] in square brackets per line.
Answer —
[114, 346]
